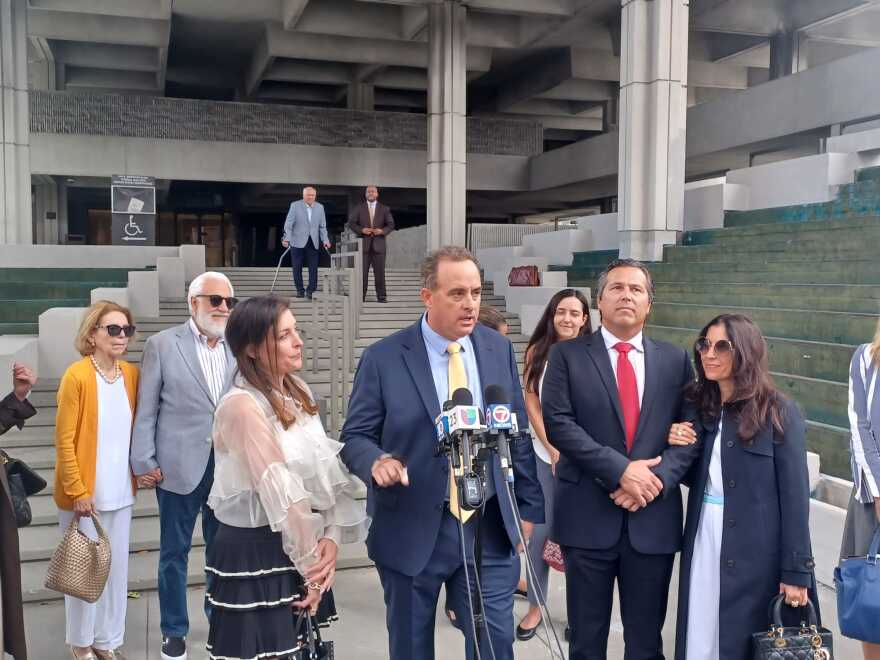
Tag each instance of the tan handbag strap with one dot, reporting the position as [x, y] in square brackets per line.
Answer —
[102, 535]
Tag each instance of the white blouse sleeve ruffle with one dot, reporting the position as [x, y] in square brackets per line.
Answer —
[293, 480]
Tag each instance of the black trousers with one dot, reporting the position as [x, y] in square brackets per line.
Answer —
[377, 261]
[307, 255]
[643, 587]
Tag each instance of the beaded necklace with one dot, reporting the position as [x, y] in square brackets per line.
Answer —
[116, 368]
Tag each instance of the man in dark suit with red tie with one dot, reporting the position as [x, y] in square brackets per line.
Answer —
[608, 401]
[373, 221]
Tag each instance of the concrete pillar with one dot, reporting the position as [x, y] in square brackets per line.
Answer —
[16, 222]
[787, 53]
[45, 210]
[361, 96]
[653, 111]
[447, 105]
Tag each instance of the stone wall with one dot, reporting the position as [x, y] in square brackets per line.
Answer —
[215, 121]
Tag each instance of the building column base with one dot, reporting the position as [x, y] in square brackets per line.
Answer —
[645, 245]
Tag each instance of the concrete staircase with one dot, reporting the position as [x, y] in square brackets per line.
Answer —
[25, 293]
[807, 275]
[35, 443]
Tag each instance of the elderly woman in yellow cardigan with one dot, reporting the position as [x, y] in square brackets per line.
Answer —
[96, 403]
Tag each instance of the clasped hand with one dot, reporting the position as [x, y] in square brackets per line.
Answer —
[639, 486]
[150, 479]
[320, 576]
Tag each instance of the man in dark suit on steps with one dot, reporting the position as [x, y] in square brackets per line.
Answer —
[373, 221]
[608, 401]
[389, 442]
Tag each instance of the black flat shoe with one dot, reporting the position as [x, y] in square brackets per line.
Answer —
[521, 593]
[525, 634]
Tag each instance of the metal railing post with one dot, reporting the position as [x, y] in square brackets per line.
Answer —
[334, 390]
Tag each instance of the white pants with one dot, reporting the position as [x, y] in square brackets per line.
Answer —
[102, 624]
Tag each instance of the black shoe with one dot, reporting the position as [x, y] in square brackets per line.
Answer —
[300, 294]
[173, 648]
[567, 634]
[525, 634]
[309, 296]
[521, 593]
[383, 300]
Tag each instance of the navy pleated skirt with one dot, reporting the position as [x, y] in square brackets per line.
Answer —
[252, 588]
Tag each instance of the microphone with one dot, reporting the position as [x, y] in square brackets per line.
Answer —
[501, 422]
[459, 420]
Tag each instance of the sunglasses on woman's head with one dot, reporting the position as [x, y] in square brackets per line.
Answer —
[216, 301]
[113, 330]
[722, 346]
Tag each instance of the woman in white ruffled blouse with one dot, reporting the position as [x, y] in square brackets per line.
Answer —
[283, 498]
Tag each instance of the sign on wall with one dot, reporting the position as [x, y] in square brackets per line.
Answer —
[133, 200]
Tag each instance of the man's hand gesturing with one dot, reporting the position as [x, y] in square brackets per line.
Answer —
[388, 471]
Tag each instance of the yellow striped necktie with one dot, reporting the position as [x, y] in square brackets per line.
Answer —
[457, 379]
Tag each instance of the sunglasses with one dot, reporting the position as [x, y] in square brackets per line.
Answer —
[216, 301]
[114, 330]
[722, 346]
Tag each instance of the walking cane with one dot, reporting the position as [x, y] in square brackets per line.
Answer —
[277, 268]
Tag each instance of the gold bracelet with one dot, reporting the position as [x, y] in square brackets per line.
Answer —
[314, 586]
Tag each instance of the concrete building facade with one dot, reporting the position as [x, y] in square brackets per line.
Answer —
[460, 110]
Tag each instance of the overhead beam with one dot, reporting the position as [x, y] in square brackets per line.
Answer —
[107, 56]
[360, 50]
[323, 73]
[399, 78]
[291, 10]
[157, 9]
[562, 8]
[301, 93]
[94, 28]
[576, 89]
[413, 21]
[758, 18]
[110, 78]
[354, 20]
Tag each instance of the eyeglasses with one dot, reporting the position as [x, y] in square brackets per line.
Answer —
[722, 346]
[216, 301]
[113, 330]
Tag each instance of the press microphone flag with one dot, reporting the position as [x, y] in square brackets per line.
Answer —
[501, 420]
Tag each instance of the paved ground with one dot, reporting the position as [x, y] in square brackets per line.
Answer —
[360, 634]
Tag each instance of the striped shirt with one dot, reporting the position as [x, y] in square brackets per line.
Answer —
[213, 361]
[864, 416]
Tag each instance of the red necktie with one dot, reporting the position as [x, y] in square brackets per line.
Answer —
[628, 389]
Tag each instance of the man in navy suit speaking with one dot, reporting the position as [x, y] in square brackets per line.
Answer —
[390, 441]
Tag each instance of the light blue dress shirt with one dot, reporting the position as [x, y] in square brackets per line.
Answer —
[438, 358]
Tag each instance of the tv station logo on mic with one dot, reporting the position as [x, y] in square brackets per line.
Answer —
[498, 416]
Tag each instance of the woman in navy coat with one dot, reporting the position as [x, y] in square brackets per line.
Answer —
[747, 534]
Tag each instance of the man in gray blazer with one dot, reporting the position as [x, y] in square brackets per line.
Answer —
[184, 372]
[305, 230]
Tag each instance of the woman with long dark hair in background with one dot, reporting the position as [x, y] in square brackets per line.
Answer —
[747, 534]
[566, 316]
[284, 500]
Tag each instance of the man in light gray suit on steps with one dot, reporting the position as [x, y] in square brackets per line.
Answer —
[305, 230]
[184, 372]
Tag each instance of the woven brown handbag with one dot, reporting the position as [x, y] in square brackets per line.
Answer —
[80, 566]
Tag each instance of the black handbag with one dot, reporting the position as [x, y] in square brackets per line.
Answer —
[23, 482]
[808, 641]
[313, 648]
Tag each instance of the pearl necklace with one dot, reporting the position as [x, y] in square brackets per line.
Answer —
[116, 368]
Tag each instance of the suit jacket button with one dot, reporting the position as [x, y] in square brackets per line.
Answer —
[731, 563]
[439, 507]
[731, 522]
[731, 484]
[730, 443]
[809, 563]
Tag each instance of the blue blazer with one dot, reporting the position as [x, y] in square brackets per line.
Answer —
[297, 229]
[392, 411]
[766, 538]
[584, 421]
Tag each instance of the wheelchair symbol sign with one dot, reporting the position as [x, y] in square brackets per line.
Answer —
[133, 231]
